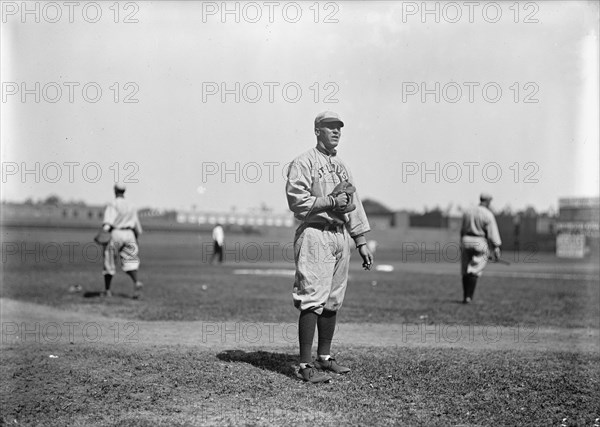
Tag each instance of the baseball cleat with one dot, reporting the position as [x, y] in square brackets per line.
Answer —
[107, 294]
[137, 291]
[313, 375]
[331, 365]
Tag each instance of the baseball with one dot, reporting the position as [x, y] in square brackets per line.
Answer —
[204, 287]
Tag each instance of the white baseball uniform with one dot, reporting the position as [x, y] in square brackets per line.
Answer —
[322, 242]
[478, 227]
[125, 225]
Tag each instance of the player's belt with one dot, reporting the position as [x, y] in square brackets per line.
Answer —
[334, 228]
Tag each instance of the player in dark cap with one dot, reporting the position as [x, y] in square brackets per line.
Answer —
[321, 195]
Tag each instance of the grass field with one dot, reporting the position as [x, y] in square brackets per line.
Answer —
[208, 346]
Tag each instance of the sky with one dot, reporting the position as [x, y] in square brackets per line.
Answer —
[204, 104]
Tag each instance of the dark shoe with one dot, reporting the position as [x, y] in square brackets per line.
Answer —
[137, 290]
[313, 375]
[107, 294]
[331, 365]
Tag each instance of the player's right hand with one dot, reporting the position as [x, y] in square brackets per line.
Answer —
[341, 200]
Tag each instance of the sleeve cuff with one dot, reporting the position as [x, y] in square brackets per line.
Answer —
[323, 203]
[360, 240]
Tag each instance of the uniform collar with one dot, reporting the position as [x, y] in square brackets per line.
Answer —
[327, 153]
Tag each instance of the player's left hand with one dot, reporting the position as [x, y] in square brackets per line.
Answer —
[367, 256]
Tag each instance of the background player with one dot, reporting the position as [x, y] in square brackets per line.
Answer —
[329, 221]
[218, 236]
[478, 228]
[121, 219]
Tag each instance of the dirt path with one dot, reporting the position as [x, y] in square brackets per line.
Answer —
[28, 322]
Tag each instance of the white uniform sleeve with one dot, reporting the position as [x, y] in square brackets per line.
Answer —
[138, 224]
[357, 224]
[110, 215]
[300, 199]
[493, 234]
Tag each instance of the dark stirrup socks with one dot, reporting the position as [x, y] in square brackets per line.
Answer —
[326, 327]
[472, 285]
[306, 333]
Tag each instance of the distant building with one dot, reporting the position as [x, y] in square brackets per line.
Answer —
[62, 214]
[574, 233]
[578, 227]
[74, 215]
[380, 217]
[235, 219]
[432, 219]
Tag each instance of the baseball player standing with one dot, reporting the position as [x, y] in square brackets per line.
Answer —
[218, 236]
[320, 194]
[479, 231]
[121, 219]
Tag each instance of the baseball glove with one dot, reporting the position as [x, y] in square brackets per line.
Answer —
[349, 189]
[102, 237]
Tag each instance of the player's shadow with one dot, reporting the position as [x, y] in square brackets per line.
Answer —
[97, 294]
[277, 362]
[92, 294]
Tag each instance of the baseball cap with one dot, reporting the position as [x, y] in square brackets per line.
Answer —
[328, 117]
[484, 197]
[119, 186]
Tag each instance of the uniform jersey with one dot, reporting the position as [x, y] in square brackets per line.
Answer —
[480, 222]
[120, 215]
[123, 219]
[218, 235]
[312, 176]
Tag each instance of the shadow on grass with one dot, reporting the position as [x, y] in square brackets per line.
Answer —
[97, 294]
[276, 362]
[92, 294]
